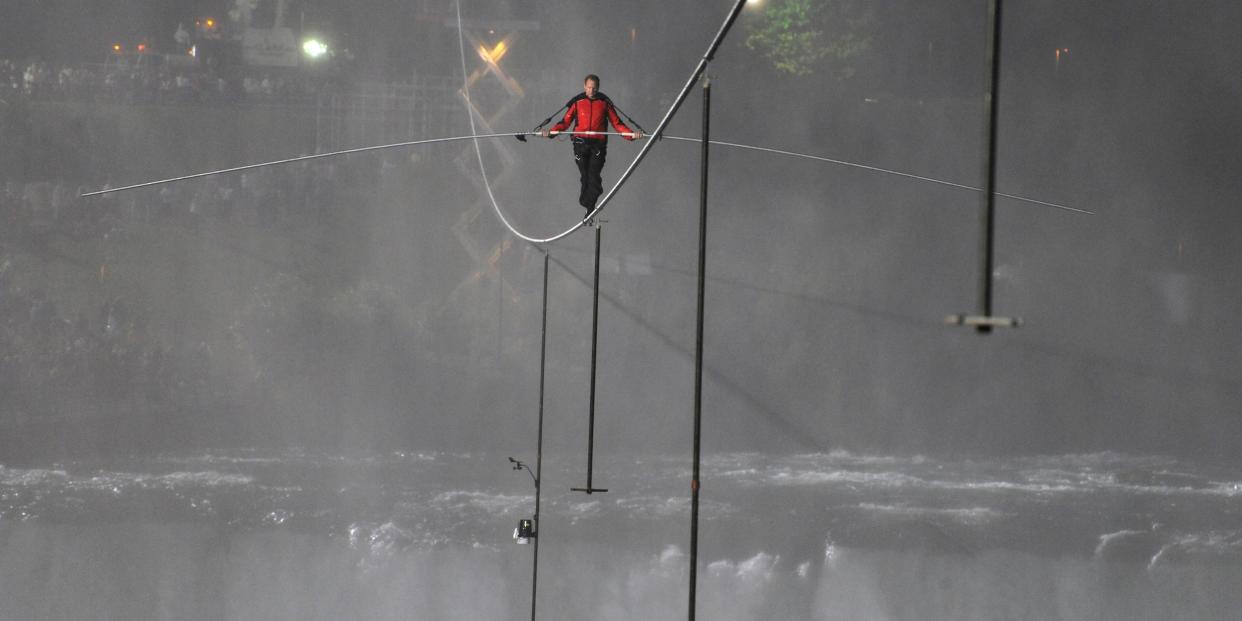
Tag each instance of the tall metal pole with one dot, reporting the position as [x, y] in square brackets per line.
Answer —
[591, 489]
[982, 320]
[500, 303]
[543, 353]
[987, 215]
[698, 350]
[599, 232]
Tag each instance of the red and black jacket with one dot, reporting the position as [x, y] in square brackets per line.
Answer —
[591, 115]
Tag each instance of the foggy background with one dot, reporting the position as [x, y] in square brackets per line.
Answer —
[826, 287]
[273, 326]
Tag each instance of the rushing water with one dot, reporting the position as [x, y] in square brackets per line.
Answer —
[296, 535]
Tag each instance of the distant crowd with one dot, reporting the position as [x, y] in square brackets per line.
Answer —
[138, 82]
[56, 362]
[70, 351]
[53, 365]
[282, 197]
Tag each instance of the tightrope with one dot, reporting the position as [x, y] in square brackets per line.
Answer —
[736, 145]
[301, 158]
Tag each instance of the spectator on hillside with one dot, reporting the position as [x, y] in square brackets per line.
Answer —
[182, 37]
[30, 78]
[184, 88]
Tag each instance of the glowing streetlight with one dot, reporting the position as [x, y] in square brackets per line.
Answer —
[314, 48]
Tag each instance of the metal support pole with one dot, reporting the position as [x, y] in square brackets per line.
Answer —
[500, 303]
[698, 350]
[987, 216]
[599, 232]
[543, 356]
[591, 489]
[982, 321]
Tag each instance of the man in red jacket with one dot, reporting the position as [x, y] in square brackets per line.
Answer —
[591, 112]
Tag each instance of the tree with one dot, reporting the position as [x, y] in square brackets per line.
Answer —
[801, 36]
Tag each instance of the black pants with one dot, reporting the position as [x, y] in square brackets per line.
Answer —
[590, 155]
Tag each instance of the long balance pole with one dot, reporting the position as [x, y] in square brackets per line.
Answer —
[698, 350]
[591, 489]
[543, 356]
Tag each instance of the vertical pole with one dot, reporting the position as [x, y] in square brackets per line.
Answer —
[599, 229]
[543, 356]
[500, 302]
[987, 215]
[698, 350]
[590, 487]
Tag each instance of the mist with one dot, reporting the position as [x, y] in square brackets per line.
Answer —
[352, 344]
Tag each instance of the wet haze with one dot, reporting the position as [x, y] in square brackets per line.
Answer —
[375, 303]
[827, 284]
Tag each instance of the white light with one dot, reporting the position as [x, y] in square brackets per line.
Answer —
[314, 48]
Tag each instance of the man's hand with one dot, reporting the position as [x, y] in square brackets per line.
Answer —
[633, 135]
[548, 133]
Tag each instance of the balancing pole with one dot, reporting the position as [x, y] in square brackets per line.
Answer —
[590, 489]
